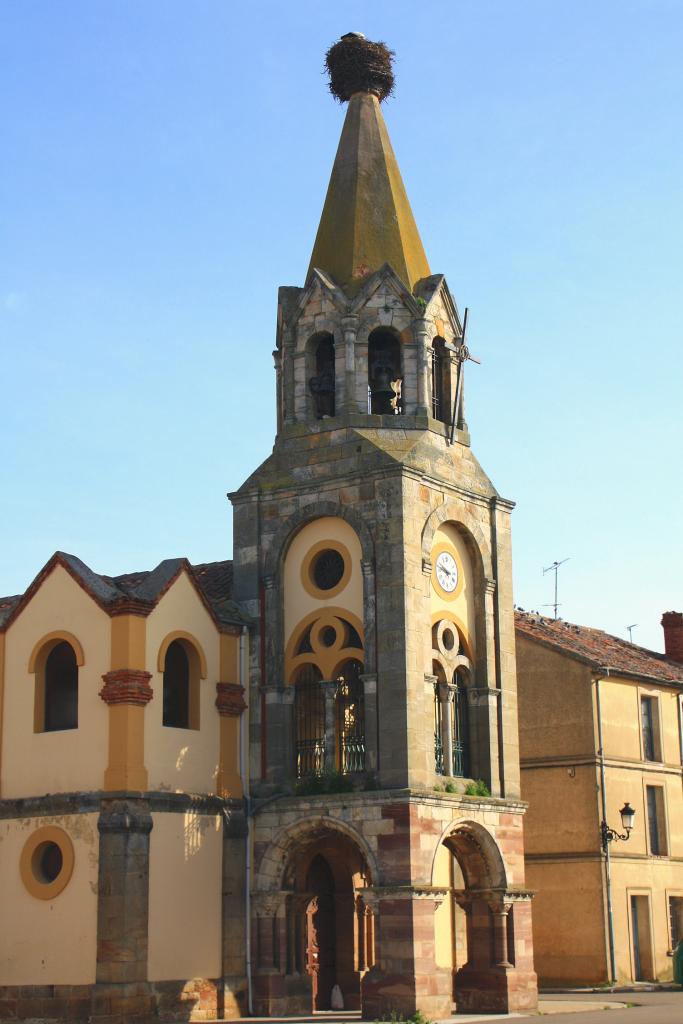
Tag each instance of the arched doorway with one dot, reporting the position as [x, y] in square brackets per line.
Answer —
[478, 925]
[313, 928]
[327, 874]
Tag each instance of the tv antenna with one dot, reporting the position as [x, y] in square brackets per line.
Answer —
[630, 631]
[462, 354]
[553, 568]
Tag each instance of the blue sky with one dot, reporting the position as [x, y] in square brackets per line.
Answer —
[162, 171]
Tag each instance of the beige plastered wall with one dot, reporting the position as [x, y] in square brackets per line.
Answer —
[184, 897]
[568, 921]
[298, 601]
[461, 608]
[49, 942]
[74, 759]
[183, 760]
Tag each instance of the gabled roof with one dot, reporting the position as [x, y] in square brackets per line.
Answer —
[599, 649]
[138, 592]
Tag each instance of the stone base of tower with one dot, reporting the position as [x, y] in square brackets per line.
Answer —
[499, 990]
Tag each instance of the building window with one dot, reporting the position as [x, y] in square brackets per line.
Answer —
[675, 920]
[181, 686]
[384, 372]
[350, 718]
[656, 821]
[309, 718]
[46, 862]
[60, 692]
[649, 718]
[322, 384]
[439, 381]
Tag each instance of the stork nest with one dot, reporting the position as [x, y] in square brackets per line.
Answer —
[355, 64]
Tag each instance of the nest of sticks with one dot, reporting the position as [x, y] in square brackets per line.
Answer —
[355, 64]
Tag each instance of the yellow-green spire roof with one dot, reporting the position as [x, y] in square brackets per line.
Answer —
[366, 220]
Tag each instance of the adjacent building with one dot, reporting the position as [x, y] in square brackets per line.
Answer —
[351, 671]
[600, 726]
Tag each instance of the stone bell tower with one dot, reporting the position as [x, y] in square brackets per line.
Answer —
[373, 553]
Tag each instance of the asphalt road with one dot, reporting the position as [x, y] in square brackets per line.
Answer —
[648, 1008]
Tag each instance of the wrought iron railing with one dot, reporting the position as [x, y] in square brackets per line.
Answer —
[352, 754]
[310, 757]
[438, 754]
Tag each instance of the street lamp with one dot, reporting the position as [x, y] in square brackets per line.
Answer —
[608, 835]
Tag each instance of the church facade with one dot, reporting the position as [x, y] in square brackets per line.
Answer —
[263, 785]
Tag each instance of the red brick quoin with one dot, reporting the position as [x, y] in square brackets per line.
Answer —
[127, 686]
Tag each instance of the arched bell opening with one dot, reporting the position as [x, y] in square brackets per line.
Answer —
[385, 372]
[322, 374]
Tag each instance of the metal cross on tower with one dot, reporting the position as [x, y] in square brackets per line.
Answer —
[462, 354]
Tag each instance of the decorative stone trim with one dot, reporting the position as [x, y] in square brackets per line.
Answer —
[230, 698]
[127, 686]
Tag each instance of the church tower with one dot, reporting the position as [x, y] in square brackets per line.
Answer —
[372, 553]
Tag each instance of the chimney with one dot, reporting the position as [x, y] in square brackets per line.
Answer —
[673, 635]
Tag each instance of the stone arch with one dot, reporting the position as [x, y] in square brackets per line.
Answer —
[477, 852]
[461, 517]
[279, 543]
[271, 871]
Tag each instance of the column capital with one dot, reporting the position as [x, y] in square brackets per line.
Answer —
[269, 582]
[490, 586]
[230, 698]
[127, 686]
[268, 904]
[427, 566]
[350, 321]
[423, 328]
[367, 568]
[446, 692]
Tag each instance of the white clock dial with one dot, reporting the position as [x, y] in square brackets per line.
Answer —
[447, 572]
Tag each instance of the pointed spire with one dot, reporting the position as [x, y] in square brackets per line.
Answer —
[366, 220]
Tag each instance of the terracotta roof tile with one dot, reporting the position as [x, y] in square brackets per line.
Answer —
[213, 580]
[598, 648]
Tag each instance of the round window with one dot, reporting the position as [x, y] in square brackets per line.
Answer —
[328, 636]
[327, 569]
[448, 639]
[47, 862]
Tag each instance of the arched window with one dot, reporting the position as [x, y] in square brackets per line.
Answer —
[60, 702]
[440, 381]
[350, 718]
[181, 690]
[461, 745]
[309, 718]
[384, 372]
[322, 384]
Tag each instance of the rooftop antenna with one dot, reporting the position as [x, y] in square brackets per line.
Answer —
[630, 631]
[462, 354]
[553, 568]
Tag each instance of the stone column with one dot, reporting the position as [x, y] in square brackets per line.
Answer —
[233, 999]
[329, 688]
[350, 329]
[499, 914]
[369, 681]
[280, 734]
[446, 692]
[230, 704]
[121, 990]
[422, 332]
[277, 360]
[405, 976]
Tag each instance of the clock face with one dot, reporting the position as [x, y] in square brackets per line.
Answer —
[447, 572]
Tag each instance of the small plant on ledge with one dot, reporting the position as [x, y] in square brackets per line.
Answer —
[328, 782]
[477, 788]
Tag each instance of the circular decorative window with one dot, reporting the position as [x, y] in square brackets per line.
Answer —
[328, 635]
[326, 569]
[47, 862]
